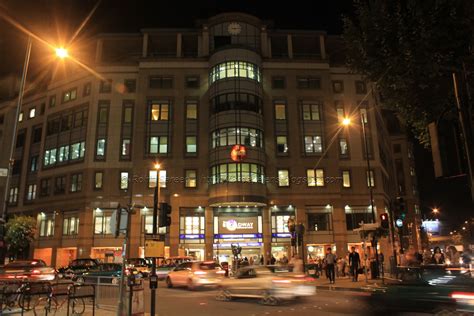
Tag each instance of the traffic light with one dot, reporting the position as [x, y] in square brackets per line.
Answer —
[384, 220]
[401, 208]
[165, 215]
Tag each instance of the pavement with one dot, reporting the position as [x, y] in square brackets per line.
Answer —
[346, 283]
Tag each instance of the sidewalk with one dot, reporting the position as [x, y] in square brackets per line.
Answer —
[346, 284]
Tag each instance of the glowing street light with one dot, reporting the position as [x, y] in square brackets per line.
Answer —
[157, 166]
[346, 121]
[62, 53]
[435, 211]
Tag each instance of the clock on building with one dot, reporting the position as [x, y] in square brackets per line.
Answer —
[234, 28]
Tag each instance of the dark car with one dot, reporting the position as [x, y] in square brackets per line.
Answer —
[34, 270]
[77, 267]
[104, 273]
[140, 264]
[426, 289]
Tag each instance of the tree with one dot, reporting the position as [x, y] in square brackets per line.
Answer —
[410, 49]
[20, 233]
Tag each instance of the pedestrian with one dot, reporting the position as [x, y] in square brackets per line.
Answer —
[438, 257]
[284, 260]
[251, 261]
[354, 263]
[426, 256]
[297, 264]
[273, 260]
[330, 265]
[261, 260]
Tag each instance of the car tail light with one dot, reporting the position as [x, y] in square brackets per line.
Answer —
[199, 272]
[36, 272]
[282, 281]
[220, 272]
[462, 296]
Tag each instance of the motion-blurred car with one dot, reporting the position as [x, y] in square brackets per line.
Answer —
[34, 270]
[195, 274]
[140, 265]
[77, 267]
[104, 273]
[427, 289]
[265, 284]
[168, 264]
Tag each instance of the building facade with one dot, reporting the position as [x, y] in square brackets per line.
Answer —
[186, 98]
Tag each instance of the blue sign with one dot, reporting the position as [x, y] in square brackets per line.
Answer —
[237, 236]
[183, 236]
[399, 223]
[281, 235]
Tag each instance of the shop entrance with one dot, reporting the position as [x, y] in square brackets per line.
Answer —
[253, 255]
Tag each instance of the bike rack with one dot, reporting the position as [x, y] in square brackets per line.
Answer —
[74, 292]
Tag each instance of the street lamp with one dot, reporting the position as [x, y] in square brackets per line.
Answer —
[156, 196]
[435, 211]
[61, 53]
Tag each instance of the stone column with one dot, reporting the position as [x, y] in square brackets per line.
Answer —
[145, 45]
[205, 41]
[339, 229]
[267, 234]
[174, 228]
[322, 46]
[86, 233]
[290, 46]
[209, 234]
[264, 41]
[179, 45]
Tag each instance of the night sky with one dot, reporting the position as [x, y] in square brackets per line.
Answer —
[57, 20]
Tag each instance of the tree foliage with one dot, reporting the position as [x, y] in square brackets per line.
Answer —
[20, 233]
[410, 48]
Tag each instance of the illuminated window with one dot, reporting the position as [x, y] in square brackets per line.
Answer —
[346, 179]
[102, 223]
[159, 111]
[31, 194]
[20, 117]
[152, 178]
[124, 180]
[191, 110]
[313, 144]
[158, 145]
[315, 178]
[370, 179]
[76, 182]
[125, 152]
[280, 111]
[237, 172]
[100, 148]
[232, 136]
[311, 112]
[46, 226]
[191, 144]
[98, 180]
[191, 179]
[32, 113]
[343, 148]
[13, 195]
[232, 69]
[70, 226]
[282, 145]
[69, 95]
[283, 178]
[282, 223]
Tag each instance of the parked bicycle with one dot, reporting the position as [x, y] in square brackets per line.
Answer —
[20, 294]
[52, 303]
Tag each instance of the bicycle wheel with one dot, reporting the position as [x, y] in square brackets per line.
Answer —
[77, 306]
[42, 306]
[27, 301]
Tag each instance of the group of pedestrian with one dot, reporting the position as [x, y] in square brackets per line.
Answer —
[331, 263]
[451, 256]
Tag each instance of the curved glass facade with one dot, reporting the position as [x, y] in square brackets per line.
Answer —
[236, 101]
[231, 69]
[237, 172]
[237, 135]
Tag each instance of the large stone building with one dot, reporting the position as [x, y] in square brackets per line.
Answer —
[185, 97]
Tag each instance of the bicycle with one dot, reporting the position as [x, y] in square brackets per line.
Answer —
[21, 295]
[51, 303]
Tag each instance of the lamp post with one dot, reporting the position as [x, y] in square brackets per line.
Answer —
[156, 197]
[61, 53]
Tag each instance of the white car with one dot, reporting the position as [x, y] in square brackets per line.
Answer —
[195, 274]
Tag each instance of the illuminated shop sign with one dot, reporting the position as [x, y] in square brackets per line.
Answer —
[237, 236]
[281, 235]
[194, 236]
[241, 244]
[238, 225]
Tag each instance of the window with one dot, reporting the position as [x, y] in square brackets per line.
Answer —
[338, 86]
[127, 114]
[98, 180]
[315, 178]
[78, 150]
[63, 153]
[356, 215]
[76, 182]
[308, 83]
[37, 132]
[340, 111]
[191, 110]
[283, 178]
[346, 179]
[191, 144]
[280, 111]
[125, 151]
[13, 195]
[280, 223]
[193, 225]
[124, 180]
[159, 111]
[32, 113]
[370, 178]
[34, 163]
[70, 226]
[20, 139]
[343, 148]
[282, 145]
[234, 135]
[31, 193]
[320, 221]
[161, 82]
[361, 87]
[237, 172]
[311, 112]
[236, 101]
[65, 123]
[152, 178]
[412, 171]
[100, 149]
[105, 86]
[397, 148]
[103, 116]
[233, 69]
[44, 187]
[313, 144]
[52, 101]
[158, 145]
[46, 226]
[20, 117]
[190, 179]
[49, 157]
[130, 85]
[278, 82]
[69, 95]
[80, 118]
[363, 114]
[192, 81]
[86, 91]
[60, 185]
[102, 223]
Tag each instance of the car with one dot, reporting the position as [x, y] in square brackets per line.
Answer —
[168, 264]
[266, 284]
[77, 267]
[194, 274]
[104, 273]
[33, 270]
[141, 265]
[426, 289]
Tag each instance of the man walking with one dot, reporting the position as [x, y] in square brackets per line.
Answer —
[354, 263]
[330, 265]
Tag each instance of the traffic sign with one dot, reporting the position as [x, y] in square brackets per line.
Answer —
[3, 172]
[154, 248]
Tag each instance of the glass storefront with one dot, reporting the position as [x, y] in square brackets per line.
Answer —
[107, 254]
[315, 252]
[192, 227]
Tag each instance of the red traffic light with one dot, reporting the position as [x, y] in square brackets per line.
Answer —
[384, 220]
